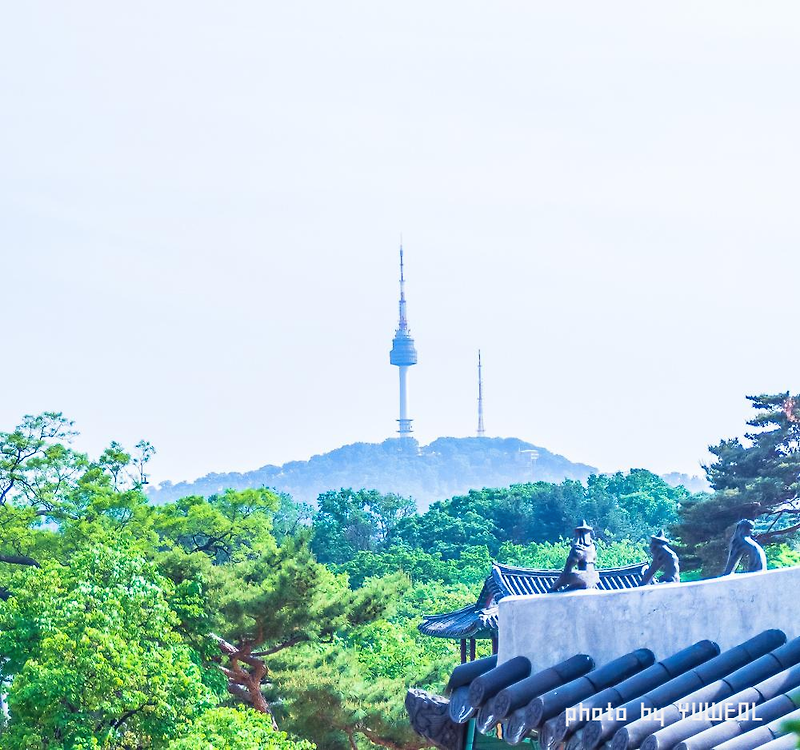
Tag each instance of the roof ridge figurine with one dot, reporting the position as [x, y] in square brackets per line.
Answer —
[665, 560]
[744, 546]
[580, 569]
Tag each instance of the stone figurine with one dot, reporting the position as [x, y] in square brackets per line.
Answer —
[579, 571]
[744, 547]
[664, 559]
[430, 719]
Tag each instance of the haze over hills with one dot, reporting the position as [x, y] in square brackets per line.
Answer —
[692, 483]
[446, 467]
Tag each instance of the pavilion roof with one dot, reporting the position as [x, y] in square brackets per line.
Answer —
[479, 620]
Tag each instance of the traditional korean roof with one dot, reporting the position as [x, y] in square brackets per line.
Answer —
[472, 621]
[695, 699]
[479, 620]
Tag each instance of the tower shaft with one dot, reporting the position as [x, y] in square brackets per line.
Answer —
[404, 421]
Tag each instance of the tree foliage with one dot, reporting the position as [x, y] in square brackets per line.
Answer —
[351, 521]
[220, 525]
[93, 656]
[235, 729]
[757, 478]
[183, 601]
[619, 506]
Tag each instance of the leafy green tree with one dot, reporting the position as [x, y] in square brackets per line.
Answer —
[219, 525]
[275, 599]
[261, 599]
[36, 462]
[447, 531]
[548, 513]
[45, 484]
[470, 567]
[333, 697]
[349, 521]
[39, 469]
[619, 506]
[782, 556]
[93, 658]
[757, 478]
[36, 467]
[235, 729]
[632, 505]
[98, 510]
[292, 518]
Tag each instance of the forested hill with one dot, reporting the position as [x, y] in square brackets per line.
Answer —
[446, 467]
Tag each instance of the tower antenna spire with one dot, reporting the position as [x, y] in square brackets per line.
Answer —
[403, 325]
[481, 430]
[403, 354]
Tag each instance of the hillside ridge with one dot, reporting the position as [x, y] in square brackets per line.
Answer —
[445, 467]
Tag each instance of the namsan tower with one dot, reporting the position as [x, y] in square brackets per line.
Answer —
[403, 355]
[481, 430]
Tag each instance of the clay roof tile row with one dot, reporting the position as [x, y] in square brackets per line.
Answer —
[695, 699]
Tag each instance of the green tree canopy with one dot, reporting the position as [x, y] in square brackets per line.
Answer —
[219, 525]
[92, 655]
[619, 506]
[231, 729]
[756, 478]
[350, 521]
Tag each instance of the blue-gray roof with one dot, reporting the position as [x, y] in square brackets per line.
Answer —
[479, 620]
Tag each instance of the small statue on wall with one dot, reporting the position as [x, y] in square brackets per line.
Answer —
[579, 571]
[664, 559]
[744, 547]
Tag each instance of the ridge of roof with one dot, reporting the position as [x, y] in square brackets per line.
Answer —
[514, 569]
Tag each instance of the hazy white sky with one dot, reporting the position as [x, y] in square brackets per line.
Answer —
[200, 207]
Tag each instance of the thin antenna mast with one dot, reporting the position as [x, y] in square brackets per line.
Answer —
[403, 324]
[481, 430]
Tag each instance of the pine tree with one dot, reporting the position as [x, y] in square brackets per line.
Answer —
[758, 478]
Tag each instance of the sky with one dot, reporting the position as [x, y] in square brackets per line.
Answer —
[201, 205]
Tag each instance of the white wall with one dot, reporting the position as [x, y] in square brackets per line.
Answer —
[663, 618]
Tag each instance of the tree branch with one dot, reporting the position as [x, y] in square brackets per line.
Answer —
[19, 560]
[769, 536]
[127, 715]
[295, 639]
[227, 648]
[249, 680]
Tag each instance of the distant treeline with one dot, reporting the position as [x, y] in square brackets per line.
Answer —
[364, 531]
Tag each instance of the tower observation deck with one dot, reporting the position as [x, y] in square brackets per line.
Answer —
[403, 355]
